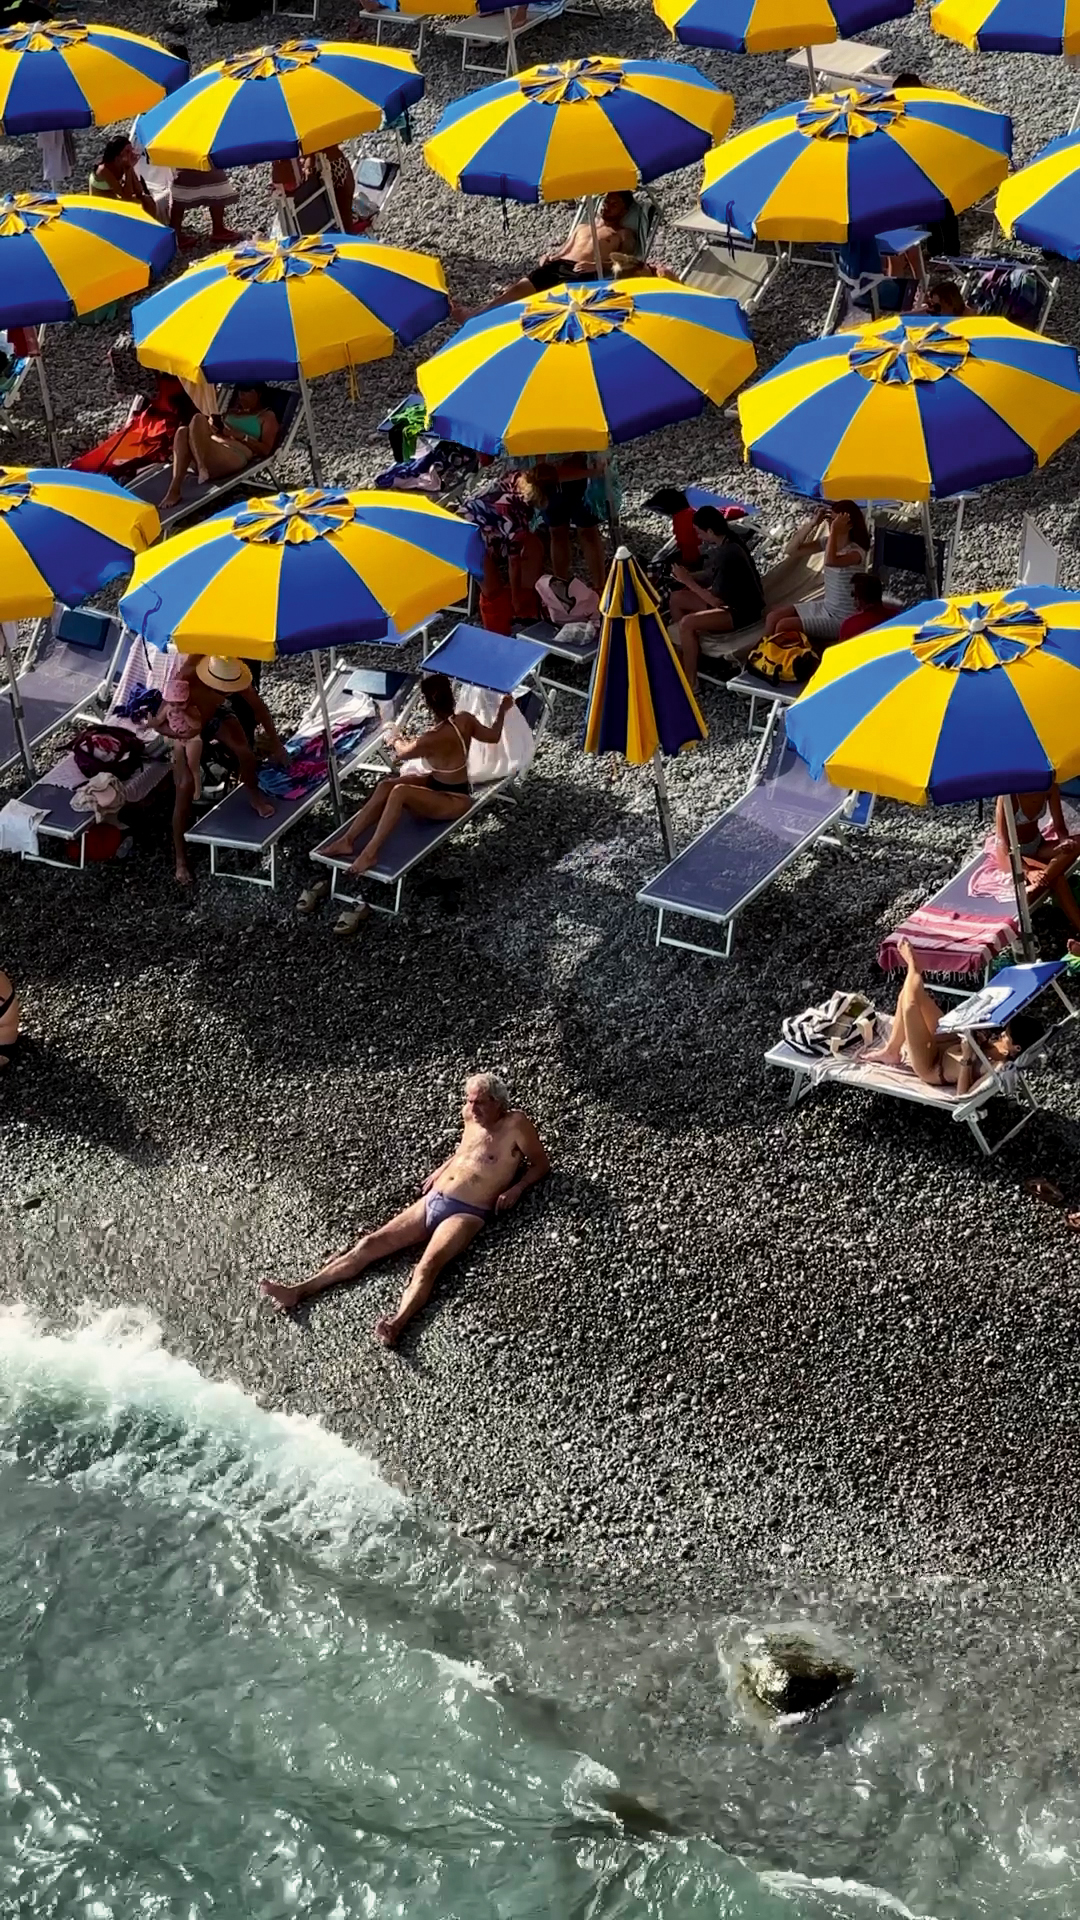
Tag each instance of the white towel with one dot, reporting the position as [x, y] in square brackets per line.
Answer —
[18, 827]
[57, 157]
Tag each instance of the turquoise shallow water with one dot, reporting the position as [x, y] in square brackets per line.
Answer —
[238, 1678]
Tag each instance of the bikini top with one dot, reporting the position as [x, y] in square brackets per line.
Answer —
[441, 772]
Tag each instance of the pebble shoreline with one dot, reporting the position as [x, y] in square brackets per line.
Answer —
[722, 1336]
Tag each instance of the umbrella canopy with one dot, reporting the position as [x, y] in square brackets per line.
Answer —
[580, 126]
[912, 409]
[272, 309]
[851, 163]
[64, 256]
[639, 700]
[56, 73]
[63, 535]
[770, 26]
[579, 368]
[278, 102]
[1041, 202]
[1003, 26]
[954, 699]
[294, 571]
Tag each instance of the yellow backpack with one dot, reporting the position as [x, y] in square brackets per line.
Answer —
[787, 659]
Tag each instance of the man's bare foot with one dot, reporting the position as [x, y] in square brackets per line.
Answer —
[285, 1298]
[386, 1331]
[364, 861]
[460, 314]
[261, 802]
[184, 875]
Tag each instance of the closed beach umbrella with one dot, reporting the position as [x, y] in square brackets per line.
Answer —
[771, 26]
[579, 127]
[294, 572]
[56, 73]
[857, 162]
[276, 103]
[581, 368]
[640, 704]
[64, 535]
[1041, 202]
[1006, 26]
[290, 310]
[955, 699]
[62, 256]
[912, 409]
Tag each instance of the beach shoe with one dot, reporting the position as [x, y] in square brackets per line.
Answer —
[349, 923]
[312, 897]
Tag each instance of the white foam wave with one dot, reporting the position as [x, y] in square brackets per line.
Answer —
[856, 1891]
[128, 1411]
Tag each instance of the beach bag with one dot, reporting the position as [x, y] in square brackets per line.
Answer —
[108, 749]
[845, 1020]
[784, 660]
[564, 601]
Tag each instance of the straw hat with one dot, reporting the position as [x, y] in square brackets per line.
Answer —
[225, 676]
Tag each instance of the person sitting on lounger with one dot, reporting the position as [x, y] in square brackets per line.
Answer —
[871, 607]
[1046, 862]
[847, 550]
[939, 1059]
[442, 793]
[500, 1157]
[207, 686]
[10, 1015]
[722, 596]
[575, 260]
[220, 445]
[115, 178]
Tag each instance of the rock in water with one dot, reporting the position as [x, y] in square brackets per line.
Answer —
[788, 1674]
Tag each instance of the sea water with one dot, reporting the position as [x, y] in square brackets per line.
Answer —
[238, 1677]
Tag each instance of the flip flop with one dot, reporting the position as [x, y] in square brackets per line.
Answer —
[350, 923]
[1041, 1189]
[312, 897]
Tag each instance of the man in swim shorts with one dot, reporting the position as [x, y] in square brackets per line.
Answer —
[500, 1157]
[575, 261]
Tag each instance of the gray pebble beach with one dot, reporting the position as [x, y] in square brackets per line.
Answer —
[722, 1338]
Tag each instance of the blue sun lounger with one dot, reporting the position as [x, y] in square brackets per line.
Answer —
[472, 656]
[72, 661]
[234, 826]
[782, 813]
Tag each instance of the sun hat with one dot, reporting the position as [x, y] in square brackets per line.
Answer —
[225, 676]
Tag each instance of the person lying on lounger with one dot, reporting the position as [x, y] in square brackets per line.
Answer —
[443, 793]
[939, 1059]
[220, 445]
[500, 1157]
[575, 260]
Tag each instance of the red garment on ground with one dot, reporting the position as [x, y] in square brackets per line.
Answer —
[146, 438]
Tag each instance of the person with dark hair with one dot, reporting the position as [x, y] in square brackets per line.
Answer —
[443, 792]
[722, 596]
[115, 178]
[575, 260]
[870, 608]
[222, 444]
[944, 297]
[847, 550]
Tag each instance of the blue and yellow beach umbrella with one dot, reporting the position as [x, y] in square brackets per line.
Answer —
[770, 26]
[64, 535]
[581, 368]
[56, 73]
[1040, 203]
[275, 309]
[579, 126]
[62, 256]
[1010, 26]
[912, 409]
[295, 571]
[639, 700]
[276, 103]
[852, 163]
[952, 700]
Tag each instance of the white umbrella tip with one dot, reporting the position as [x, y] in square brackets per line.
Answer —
[622, 553]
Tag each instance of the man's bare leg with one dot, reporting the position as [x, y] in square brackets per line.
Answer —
[450, 1238]
[232, 735]
[184, 787]
[517, 290]
[406, 1229]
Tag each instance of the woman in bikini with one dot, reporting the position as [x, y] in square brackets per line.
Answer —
[219, 445]
[1046, 861]
[938, 1059]
[443, 793]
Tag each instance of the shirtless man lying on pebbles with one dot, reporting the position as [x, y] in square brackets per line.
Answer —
[500, 1157]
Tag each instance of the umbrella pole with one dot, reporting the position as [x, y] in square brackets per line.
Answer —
[305, 402]
[928, 543]
[328, 183]
[950, 558]
[18, 715]
[1016, 861]
[331, 761]
[811, 71]
[663, 805]
[46, 402]
[511, 44]
[597, 256]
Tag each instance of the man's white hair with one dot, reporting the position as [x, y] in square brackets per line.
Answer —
[495, 1088]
